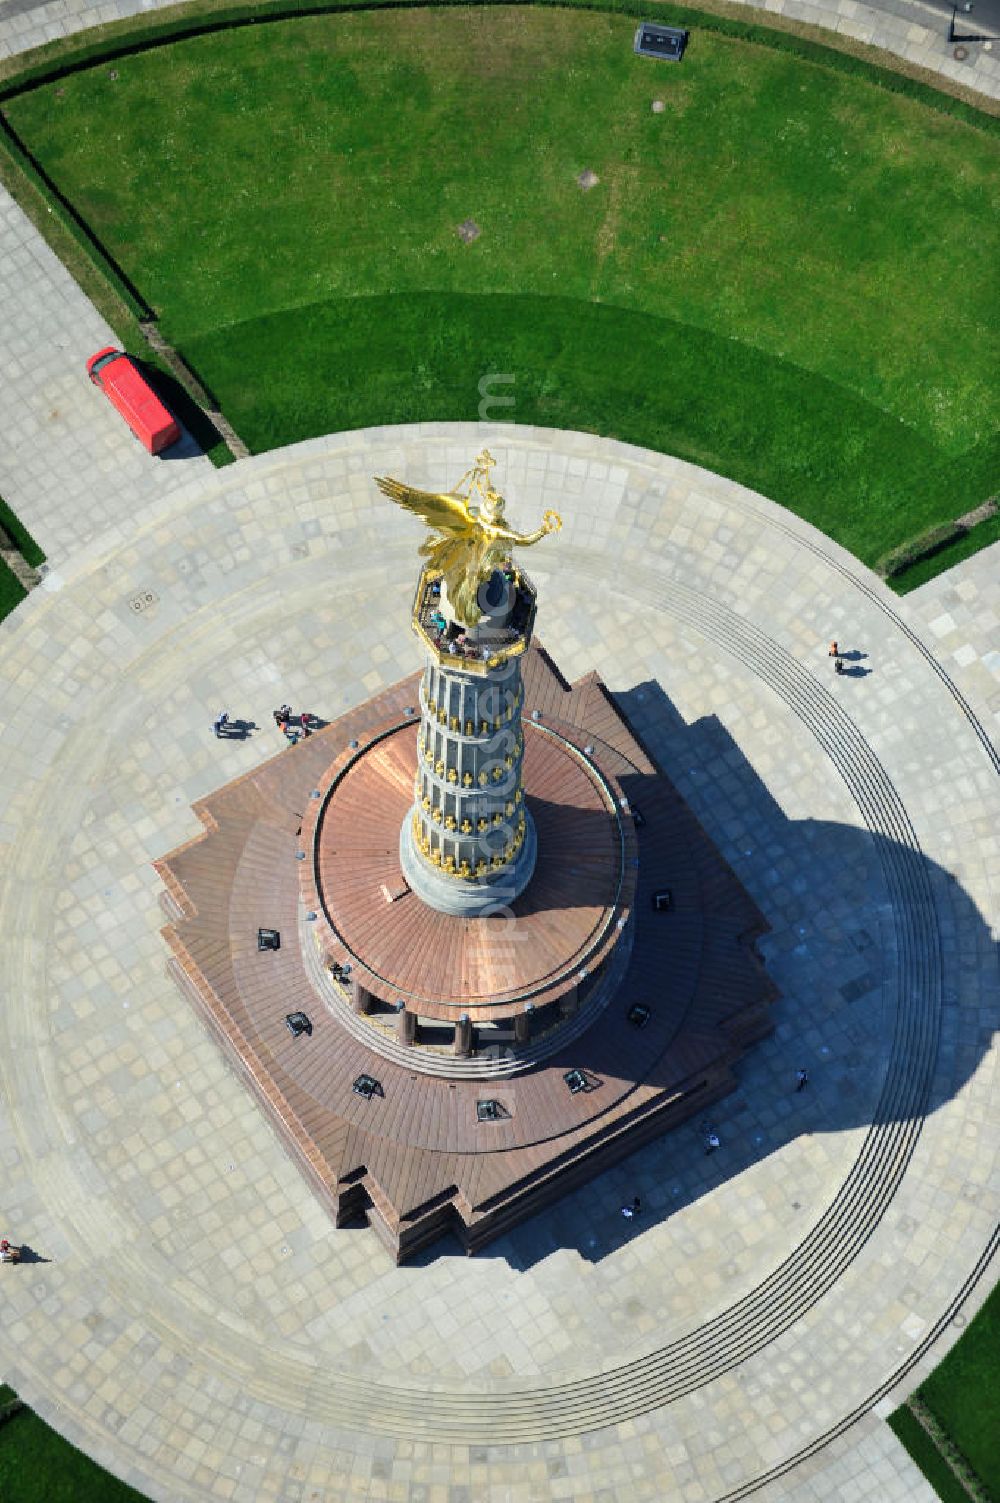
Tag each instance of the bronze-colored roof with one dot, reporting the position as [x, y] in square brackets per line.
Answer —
[438, 962]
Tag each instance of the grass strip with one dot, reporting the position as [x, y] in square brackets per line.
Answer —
[23, 164]
[963, 1393]
[12, 592]
[21, 537]
[74, 249]
[38, 1466]
[914, 1438]
[964, 547]
[59, 58]
[859, 475]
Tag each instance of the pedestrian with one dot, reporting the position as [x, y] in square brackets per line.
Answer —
[801, 1079]
[9, 1254]
[838, 665]
[711, 1142]
[220, 722]
[627, 1212]
[834, 650]
[305, 720]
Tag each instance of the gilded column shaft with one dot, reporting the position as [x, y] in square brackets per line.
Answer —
[468, 815]
[468, 840]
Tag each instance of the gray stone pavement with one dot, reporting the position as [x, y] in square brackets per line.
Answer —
[200, 1327]
[962, 608]
[868, 1465]
[910, 29]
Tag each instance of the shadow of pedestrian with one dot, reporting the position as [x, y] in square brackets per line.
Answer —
[237, 730]
[28, 1255]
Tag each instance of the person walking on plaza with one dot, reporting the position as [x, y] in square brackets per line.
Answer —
[834, 650]
[801, 1079]
[712, 1142]
[9, 1254]
[220, 723]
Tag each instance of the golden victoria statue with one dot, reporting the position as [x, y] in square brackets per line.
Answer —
[470, 539]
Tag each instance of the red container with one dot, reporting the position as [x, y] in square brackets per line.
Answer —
[127, 389]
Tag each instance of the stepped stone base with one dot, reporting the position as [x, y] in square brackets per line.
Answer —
[413, 1158]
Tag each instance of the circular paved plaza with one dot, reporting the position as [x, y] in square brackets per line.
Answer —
[194, 1320]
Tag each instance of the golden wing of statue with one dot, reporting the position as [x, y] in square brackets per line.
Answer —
[457, 544]
[442, 510]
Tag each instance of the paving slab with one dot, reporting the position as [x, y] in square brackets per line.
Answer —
[199, 1326]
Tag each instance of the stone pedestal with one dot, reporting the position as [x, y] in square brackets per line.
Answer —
[467, 1128]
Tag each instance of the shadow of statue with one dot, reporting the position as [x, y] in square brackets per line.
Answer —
[859, 957]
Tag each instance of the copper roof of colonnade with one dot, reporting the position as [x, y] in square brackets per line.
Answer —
[567, 920]
[198, 1326]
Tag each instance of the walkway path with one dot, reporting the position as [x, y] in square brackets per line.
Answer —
[68, 465]
[200, 1326]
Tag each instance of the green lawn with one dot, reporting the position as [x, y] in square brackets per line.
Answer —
[23, 541]
[978, 537]
[964, 1394]
[783, 276]
[38, 1466]
[648, 380]
[927, 1456]
[11, 590]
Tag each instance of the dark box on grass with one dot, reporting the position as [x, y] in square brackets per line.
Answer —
[653, 40]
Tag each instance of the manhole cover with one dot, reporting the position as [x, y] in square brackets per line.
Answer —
[142, 601]
[960, 54]
[588, 180]
[468, 231]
